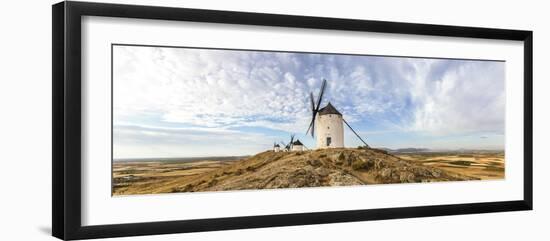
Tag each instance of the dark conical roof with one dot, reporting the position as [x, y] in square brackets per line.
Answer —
[276, 145]
[329, 109]
[297, 143]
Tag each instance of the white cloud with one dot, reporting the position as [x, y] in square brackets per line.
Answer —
[206, 88]
[466, 98]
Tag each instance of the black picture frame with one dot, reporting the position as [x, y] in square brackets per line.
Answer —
[66, 127]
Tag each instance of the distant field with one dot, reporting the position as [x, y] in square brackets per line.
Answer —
[146, 176]
[484, 165]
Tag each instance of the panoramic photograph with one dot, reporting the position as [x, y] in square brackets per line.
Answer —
[188, 119]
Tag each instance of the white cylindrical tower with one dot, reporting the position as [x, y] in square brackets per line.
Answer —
[297, 146]
[329, 128]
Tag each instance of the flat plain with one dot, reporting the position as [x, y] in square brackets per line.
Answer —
[480, 164]
[315, 168]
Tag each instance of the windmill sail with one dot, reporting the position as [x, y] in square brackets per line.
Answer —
[312, 124]
[285, 146]
[320, 97]
[315, 107]
[291, 142]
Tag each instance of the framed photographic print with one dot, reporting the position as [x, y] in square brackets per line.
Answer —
[170, 120]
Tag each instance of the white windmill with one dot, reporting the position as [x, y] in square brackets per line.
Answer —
[297, 146]
[276, 147]
[293, 145]
[330, 123]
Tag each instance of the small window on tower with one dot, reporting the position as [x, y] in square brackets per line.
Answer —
[329, 140]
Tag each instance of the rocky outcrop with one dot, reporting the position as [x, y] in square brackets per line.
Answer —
[326, 167]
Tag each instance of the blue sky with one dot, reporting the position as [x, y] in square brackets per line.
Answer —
[182, 102]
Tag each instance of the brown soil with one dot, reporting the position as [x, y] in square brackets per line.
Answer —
[267, 170]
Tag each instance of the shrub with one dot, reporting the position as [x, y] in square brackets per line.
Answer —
[356, 165]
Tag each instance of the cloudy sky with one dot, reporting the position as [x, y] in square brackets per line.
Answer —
[182, 102]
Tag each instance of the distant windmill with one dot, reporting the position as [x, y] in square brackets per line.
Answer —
[297, 146]
[276, 147]
[330, 130]
[288, 147]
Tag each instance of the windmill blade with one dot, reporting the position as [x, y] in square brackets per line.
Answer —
[319, 100]
[367, 145]
[312, 101]
[320, 97]
[314, 114]
[287, 146]
[315, 107]
[311, 125]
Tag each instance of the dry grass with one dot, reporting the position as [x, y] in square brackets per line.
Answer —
[482, 165]
[268, 170]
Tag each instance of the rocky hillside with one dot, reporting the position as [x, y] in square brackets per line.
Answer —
[328, 167]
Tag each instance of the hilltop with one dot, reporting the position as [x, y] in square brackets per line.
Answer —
[326, 167]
